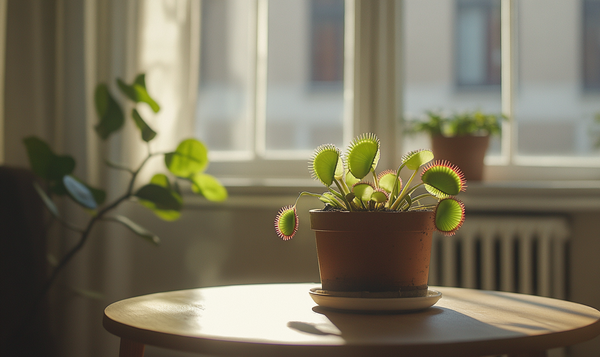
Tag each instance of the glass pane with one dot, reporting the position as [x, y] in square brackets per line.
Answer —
[554, 107]
[557, 99]
[305, 74]
[451, 61]
[224, 106]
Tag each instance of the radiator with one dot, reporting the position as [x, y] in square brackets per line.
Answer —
[525, 254]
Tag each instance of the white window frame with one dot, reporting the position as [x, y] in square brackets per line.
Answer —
[512, 167]
[370, 100]
[373, 103]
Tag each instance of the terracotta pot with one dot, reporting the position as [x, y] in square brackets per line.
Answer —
[467, 152]
[374, 251]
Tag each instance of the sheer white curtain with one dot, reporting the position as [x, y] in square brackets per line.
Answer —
[56, 53]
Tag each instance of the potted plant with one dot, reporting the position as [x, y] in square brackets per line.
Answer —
[375, 236]
[461, 138]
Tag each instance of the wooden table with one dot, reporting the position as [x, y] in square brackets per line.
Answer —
[283, 320]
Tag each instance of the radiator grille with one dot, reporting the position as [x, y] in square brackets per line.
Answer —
[525, 254]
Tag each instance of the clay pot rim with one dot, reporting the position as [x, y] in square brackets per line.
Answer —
[368, 221]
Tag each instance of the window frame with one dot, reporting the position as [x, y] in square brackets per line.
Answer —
[370, 99]
[374, 103]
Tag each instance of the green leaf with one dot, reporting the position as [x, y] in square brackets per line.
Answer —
[190, 157]
[363, 191]
[109, 111]
[388, 181]
[286, 222]
[161, 180]
[99, 194]
[326, 164]
[442, 179]
[137, 229]
[79, 192]
[209, 187]
[380, 196]
[166, 214]
[350, 179]
[47, 200]
[137, 92]
[363, 155]
[415, 159]
[160, 197]
[449, 215]
[60, 166]
[40, 155]
[147, 133]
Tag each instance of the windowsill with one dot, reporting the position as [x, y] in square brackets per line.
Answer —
[504, 196]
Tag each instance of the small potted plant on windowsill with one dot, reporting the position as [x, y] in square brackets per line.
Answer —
[375, 236]
[461, 138]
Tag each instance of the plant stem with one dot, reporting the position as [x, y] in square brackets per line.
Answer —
[86, 232]
[403, 192]
[343, 194]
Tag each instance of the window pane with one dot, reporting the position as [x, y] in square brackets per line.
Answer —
[449, 44]
[591, 44]
[305, 74]
[478, 54]
[553, 109]
[224, 106]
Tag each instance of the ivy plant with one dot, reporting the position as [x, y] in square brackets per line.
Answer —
[162, 194]
[345, 176]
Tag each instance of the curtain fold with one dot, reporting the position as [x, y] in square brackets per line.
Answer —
[56, 53]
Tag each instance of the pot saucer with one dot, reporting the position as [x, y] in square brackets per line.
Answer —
[331, 300]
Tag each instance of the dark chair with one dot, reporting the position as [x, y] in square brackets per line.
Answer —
[24, 331]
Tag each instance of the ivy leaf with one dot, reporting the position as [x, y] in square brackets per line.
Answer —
[147, 133]
[47, 165]
[40, 155]
[190, 157]
[137, 92]
[79, 192]
[60, 166]
[209, 187]
[161, 197]
[110, 112]
[44, 162]
[137, 229]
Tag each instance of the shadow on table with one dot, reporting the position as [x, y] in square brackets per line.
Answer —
[454, 331]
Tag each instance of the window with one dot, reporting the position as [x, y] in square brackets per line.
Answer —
[271, 78]
[553, 116]
[278, 78]
[477, 54]
[549, 73]
[327, 42]
[591, 45]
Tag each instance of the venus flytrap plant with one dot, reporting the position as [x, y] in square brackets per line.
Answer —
[350, 190]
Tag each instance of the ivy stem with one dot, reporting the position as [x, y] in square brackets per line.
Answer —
[85, 233]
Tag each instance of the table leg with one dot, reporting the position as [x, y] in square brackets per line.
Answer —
[131, 348]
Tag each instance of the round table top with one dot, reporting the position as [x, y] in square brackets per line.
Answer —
[282, 319]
